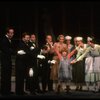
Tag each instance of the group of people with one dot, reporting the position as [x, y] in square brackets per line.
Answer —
[54, 64]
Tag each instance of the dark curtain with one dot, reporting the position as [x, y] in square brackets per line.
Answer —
[42, 18]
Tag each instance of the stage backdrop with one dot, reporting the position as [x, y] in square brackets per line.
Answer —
[42, 18]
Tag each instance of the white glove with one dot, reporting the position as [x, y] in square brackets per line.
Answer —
[41, 51]
[31, 72]
[41, 56]
[31, 48]
[49, 61]
[21, 52]
[53, 61]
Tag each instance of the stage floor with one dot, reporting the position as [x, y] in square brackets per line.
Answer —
[52, 95]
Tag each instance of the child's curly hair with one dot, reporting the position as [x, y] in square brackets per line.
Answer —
[64, 50]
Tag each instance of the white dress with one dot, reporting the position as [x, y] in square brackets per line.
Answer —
[92, 65]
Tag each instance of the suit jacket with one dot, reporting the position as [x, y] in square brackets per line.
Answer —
[25, 58]
[35, 51]
[6, 52]
[6, 46]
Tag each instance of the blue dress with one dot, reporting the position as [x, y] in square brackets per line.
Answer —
[64, 72]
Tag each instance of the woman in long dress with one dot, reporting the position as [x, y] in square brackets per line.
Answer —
[60, 45]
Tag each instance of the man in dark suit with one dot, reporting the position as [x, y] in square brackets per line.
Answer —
[22, 63]
[6, 63]
[33, 81]
[45, 67]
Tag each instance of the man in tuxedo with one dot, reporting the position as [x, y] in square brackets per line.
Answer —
[47, 51]
[33, 81]
[6, 63]
[22, 63]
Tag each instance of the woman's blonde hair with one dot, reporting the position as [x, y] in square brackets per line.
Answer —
[61, 35]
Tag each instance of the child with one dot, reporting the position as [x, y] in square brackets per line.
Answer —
[64, 72]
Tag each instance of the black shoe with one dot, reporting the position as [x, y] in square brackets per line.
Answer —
[24, 93]
[51, 90]
[12, 92]
[77, 88]
[7, 93]
[68, 88]
[57, 92]
[44, 91]
[59, 88]
[33, 93]
[99, 90]
[39, 91]
[80, 89]
[68, 92]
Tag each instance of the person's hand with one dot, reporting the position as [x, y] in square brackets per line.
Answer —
[73, 61]
[31, 48]
[21, 52]
[41, 56]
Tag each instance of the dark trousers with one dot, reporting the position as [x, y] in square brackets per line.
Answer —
[32, 83]
[45, 78]
[5, 80]
[19, 78]
[6, 70]
[19, 84]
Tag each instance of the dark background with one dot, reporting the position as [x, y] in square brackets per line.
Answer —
[51, 17]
